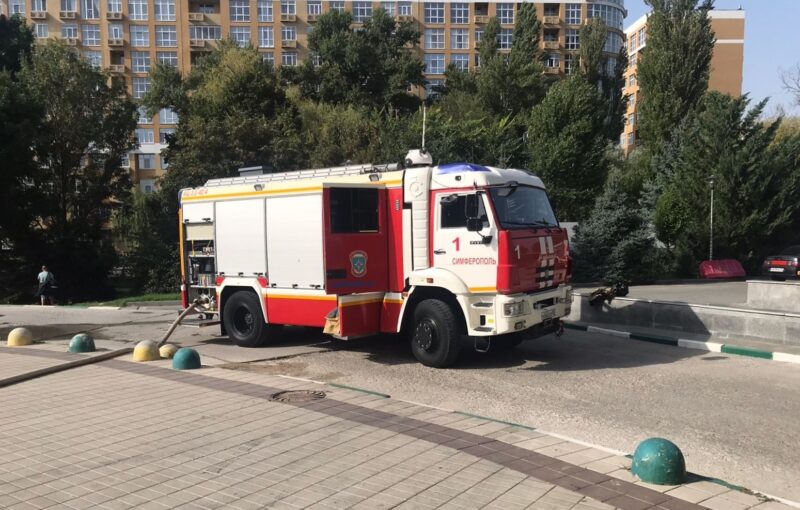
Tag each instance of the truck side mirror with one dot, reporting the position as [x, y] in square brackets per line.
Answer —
[474, 224]
[471, 206]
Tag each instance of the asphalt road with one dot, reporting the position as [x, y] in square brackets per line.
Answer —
[735, 418]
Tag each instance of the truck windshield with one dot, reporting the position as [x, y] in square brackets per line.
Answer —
[522, 207]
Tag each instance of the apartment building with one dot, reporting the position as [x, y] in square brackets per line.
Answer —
[726, 63]
[128, 36]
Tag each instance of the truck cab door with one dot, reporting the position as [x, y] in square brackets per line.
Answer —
[470, 254]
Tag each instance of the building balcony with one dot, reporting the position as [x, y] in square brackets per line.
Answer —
[196, 16]
[67, 14]
[311, 18]
[552, 70]
[117, 68]
[114, 15]
[291, 18]
[405, 18]
[116, 42]
[197, 44]
[38, 15]
[289, 44]
[72, 41]
[551, 45]
[552, 20]
[481, 19]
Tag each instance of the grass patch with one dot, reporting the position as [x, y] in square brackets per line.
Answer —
[131, 299]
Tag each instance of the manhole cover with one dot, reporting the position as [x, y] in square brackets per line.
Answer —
[297, 396]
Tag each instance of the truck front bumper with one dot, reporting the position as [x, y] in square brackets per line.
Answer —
[499, 314]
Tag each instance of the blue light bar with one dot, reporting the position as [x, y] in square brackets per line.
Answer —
[460, 167]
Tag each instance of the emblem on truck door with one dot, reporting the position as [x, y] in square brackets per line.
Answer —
[358, 263]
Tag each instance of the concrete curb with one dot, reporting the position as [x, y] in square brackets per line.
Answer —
[688, 344]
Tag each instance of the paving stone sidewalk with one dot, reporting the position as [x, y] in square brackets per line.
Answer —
[118, 434]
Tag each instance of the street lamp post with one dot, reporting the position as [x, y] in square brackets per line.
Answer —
[711, 181]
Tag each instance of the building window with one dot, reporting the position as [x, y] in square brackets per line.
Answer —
[459, 13]
[642, 37]
[140, 36]
[288, 33]
[115, 31]
[240, 10]
[459, 60]
[166, 36]
[268, 58]
[505, 13]
[459, 39]
[404, 8]
[241, 35]
[69, 31]
[553, 60]
[18, 7]
[632, 59]
[38, 5]
[94, 58]
[610, 14]
[66, 5]
[353, 210]
[114, 5]
[264, 11]
[140, 61]
[631, 80]
[632, 44]
[167, 116]
[288, 7]
[314, 7]
[90, 35]
[40, 30]
[337, 5]
[631, 138]
[478, 35]
[124, 161]
[572, 40]
[388, 7]
[144, 136]
[573, 14]
[266, 37]
[163, 134]
[205, 32]
[206, 8]
[434, 12]
[146, 161]
[141, 85]
[362, 11]
[143, 117]
[169, 58]
[146, 185]
[289, 58]
[90, 9]
[164, 10]
[432, 88]
[632, 101]
[434, 38]
[631, 119]
[613, 43]
[504, 38]
[611, 66]
[434, 63]
[137, 9]
[568, 64]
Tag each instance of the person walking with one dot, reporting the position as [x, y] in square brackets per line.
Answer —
[46, 283]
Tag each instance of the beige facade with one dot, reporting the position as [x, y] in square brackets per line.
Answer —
[128, 37]
[727, 63]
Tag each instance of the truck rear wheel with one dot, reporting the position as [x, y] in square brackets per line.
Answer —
[435, 337]
[244, 321]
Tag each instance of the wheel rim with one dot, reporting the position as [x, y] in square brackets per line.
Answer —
[243, 321]
[426, 334]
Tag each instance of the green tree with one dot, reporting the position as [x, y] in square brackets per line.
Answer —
[76, 176]
[757, 182]
[368, 66]
[567, 146]
[673, 69]
[16, 43]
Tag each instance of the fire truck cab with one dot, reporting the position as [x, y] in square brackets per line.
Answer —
[447, 254]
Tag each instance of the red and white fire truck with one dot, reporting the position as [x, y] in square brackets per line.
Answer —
[446, 254]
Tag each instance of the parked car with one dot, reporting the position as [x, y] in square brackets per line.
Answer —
[783, 265]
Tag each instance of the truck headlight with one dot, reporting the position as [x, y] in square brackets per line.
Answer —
[514, 308]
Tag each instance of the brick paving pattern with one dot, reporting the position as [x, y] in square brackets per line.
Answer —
[118, 434]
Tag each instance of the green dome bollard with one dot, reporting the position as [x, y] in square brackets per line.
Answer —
[81, 343]
[186, 359]
[659, 461]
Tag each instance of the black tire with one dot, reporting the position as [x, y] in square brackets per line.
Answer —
[244, 321]
[435, 335]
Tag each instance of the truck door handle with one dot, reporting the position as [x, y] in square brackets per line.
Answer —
[439, 252]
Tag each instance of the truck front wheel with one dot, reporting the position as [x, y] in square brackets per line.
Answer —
[435, 336]
[244, 321]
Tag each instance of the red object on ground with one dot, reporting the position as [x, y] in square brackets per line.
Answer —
[712, 269]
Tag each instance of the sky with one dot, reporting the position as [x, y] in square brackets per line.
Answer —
[771, 44]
